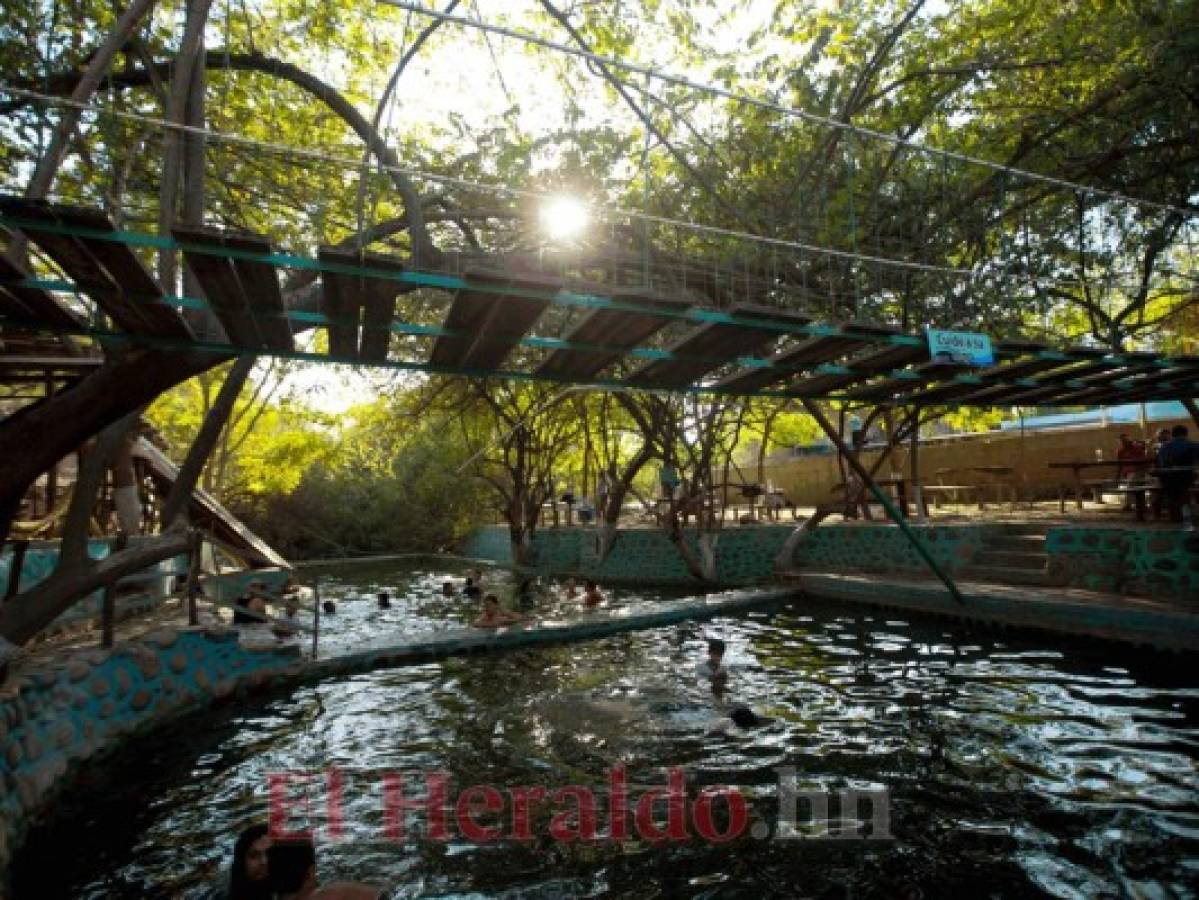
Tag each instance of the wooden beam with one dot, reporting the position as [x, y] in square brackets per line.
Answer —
[860, 470]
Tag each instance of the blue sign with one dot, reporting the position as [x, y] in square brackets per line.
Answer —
[967, 347]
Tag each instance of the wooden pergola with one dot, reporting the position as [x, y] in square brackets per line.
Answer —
[612, 338]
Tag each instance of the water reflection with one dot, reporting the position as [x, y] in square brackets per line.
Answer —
[1017, 764]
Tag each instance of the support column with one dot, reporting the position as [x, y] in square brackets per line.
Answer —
[852, 458]
[1193, 409]
[914, 463]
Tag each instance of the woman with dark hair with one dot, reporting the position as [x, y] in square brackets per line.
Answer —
[249, 875]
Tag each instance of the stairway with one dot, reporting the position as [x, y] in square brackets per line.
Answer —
[1014, 556]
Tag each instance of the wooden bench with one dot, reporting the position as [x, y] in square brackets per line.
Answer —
[937, 490]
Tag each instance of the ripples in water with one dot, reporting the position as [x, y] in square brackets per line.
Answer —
[1016, 765]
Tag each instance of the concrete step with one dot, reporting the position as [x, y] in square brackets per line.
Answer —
[1018, 543]
[1026, 529]
[1015, 559]
[1006, 575]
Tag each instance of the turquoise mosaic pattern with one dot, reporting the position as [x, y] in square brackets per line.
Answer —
[40, 561]
[641, 555]
[884, 548]
[1141, 561]
[56, 717]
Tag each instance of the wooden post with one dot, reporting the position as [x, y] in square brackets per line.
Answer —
[107, 615]
[1192, 408]
[852, 458]
[52, 474]
[193, 577]
[316, 613]
[914, 463]
[14, 573]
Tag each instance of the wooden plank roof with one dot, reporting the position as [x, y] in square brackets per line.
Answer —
[489, 317]
[355, 301]
[105, 270]
[618, 330]
[492, 311]
[713, 344]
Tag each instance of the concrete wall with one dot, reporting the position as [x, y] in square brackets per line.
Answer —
[1148, 562]
[744, 555]
[1143, 562]
[641, 555]
[57, 717]
[808, 481]
[134, 593]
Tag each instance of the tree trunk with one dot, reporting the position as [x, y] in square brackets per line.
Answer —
[25, 615]
[37, 436]
[182, 104]
[201, 448]
[98, 65]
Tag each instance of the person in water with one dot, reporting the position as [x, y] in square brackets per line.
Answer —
[472, 589]
[248, 874]
[293, 876]
[447, 589]
[286, 627]
[713, 667]
[571, 590]
[494, 617]
[254, 601]
[384, 600]
[592, 595]
[329, 607]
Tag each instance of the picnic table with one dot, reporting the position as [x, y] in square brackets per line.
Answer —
[1078, 466]
[900, 485]
[1000, 478]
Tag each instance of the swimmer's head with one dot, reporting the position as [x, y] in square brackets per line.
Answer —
[384, 600]
[447, 589]
[591, 585]
[715, 650]
[329, 606]
[491, 603]
[744, 717]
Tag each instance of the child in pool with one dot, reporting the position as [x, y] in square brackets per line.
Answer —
[592, 596]
[494, 617]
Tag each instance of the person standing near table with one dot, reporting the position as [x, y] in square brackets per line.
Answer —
[1182, 455]
[1127, 451]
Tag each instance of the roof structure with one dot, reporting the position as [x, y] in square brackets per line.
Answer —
[490, 324]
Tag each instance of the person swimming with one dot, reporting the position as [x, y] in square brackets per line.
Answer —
[471, 589]
[329, 607]
[494, 617]
[248, 874]
[571, 589]
[592, 595]
[384, 600]
[713, 667]
[293, 875]
[447, 589]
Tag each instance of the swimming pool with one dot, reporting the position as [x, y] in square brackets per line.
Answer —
[1023, 765]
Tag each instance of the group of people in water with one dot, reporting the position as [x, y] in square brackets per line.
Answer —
[264, 868]
[252, 607]
[495, 616]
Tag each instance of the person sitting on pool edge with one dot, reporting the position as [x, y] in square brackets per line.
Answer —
[248, 874]
[713, 666]
[494, 617]
[252, 601]
[592, 595]
[293, 875]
